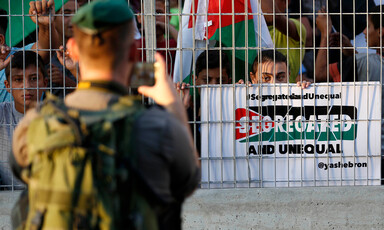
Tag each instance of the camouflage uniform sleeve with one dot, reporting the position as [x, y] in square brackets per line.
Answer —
[19, 142]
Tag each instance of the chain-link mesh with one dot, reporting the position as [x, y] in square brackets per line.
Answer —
[236, 65]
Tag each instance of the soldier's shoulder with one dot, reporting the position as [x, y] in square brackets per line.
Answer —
[157, 118]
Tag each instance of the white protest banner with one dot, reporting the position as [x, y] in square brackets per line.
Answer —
[282, 136]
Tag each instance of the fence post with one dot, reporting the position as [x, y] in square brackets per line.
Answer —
[149, 28]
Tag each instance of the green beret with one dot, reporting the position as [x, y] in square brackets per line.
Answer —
[101, 15]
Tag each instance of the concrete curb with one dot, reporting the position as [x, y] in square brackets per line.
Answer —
[286, 208]
[7, 200]
[357, 207]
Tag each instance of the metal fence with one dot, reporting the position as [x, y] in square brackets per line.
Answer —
[236, 64]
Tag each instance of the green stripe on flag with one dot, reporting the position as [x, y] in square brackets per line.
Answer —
[240, 45]
[18, 11]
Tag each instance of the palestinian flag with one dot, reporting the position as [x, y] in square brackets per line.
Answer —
[231, 23]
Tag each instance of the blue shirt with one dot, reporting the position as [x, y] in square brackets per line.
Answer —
[9, 118]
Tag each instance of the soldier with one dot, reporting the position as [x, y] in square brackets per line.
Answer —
[157, 154]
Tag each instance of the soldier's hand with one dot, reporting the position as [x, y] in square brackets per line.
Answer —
[163, 92]
[4, 61]
[41, 11]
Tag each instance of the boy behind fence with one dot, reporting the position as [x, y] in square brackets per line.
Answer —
[26, 80]
[271, 67]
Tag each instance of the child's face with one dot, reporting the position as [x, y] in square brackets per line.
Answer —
[160, 19]
[212, 77]
[372, 35]
[271, 73]
[160, 9]
[26, 90]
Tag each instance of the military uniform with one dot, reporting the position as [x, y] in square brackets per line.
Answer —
[165, 156]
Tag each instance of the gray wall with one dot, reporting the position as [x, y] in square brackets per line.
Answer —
[286, 208]
[7, 199]
[271, 208]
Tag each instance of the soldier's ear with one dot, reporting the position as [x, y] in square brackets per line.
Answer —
[73, 49]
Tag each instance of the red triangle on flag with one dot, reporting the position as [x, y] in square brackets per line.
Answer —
[255, 126]
[222, 13]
